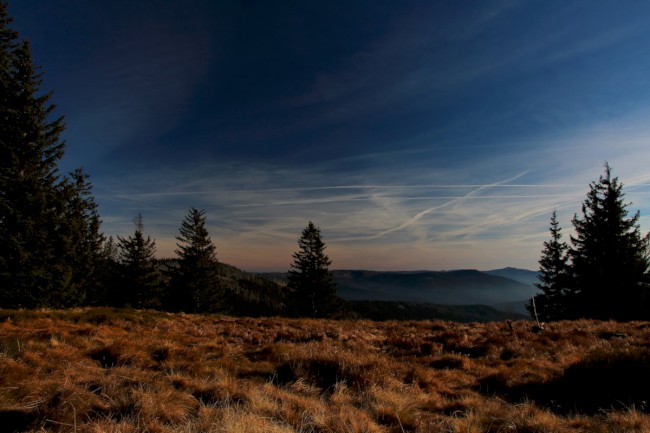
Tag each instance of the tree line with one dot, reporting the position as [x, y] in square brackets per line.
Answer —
[53, 253]
[604, 270]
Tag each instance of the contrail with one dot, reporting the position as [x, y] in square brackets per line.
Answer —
[425, 212]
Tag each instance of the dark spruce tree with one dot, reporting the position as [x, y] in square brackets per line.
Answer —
[139, 285]
[107, 274]
[555, 300]
[311, 284]
[81, 244]
[194, 282]
[35, 239]
[609, 256]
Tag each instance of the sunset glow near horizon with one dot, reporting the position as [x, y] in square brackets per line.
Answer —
[416, 135]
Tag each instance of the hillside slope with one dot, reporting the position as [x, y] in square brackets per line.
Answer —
[399, 310]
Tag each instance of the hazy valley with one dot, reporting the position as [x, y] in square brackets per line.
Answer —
[458, 287]
[504, 290]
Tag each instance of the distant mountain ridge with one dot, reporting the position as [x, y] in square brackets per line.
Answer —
[504, 289]
[522, 275]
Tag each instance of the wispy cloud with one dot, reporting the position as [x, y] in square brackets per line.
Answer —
[445, 139]
[454, 201]
[135, 89]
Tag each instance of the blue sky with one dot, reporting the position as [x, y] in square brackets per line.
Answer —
[417, 135]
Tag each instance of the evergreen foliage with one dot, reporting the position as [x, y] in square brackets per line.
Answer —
[139, 280]
[81, 243]
[195, 278]
[604, 274]
[40, 213]
[107, 272]
[553, 277]
[609, 255]
[311, 284]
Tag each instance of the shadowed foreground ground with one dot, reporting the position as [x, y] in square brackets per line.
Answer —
[101, 370]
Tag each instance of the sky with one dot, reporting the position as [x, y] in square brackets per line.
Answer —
[416, 135]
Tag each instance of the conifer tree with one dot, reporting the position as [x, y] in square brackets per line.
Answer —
[609, 256]
[107, 272]
[553, 303]
[32, 199]
[312, 286]
[80, 244]
[195, 278]
[139, 282]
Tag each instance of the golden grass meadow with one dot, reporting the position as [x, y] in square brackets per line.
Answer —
[105, 370]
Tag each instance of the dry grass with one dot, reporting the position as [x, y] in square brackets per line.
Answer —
[120, 371]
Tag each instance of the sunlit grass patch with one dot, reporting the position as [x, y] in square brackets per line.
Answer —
[131, 371]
